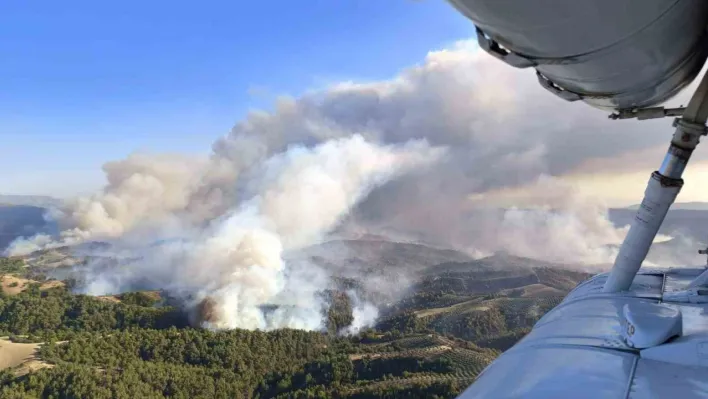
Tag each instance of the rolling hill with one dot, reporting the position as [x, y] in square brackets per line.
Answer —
[449, 318]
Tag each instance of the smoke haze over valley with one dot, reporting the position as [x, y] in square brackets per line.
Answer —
[346, 199]
[454, 153]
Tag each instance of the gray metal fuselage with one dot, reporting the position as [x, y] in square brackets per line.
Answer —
[579, 349]
[613, 54]
[619, 334]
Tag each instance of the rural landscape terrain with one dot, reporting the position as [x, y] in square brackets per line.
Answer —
[338, 200]
[429, 340]
[440, 317]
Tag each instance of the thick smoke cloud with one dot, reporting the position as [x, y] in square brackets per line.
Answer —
[145, 190]
[288, 201]
[350, 158]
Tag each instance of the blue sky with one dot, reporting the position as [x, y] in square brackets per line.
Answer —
[83, 82]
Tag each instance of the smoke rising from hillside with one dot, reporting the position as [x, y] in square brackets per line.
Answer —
[351, 156]
[289, 200]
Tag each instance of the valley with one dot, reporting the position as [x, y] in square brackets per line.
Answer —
[449, 317]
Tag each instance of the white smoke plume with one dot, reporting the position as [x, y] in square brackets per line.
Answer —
[364, 313]
[290, 200]
[557, 224]
[143, 191]
[501, 128]
[280, 180]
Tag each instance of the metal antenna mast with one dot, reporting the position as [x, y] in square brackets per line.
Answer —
[662, 189]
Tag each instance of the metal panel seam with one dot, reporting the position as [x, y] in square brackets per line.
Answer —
[631, 377]
[663, 287]
[601, 297]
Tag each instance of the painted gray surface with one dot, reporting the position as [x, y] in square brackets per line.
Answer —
[616, 54]
[577, 349]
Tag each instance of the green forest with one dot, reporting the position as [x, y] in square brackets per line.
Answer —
[102, 349]
[431, 344]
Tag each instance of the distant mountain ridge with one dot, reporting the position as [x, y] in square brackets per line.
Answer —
[685, 206]
[23, 216]
[20, 221]
[42, 201]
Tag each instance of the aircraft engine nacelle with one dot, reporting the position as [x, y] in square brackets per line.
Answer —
[611, 54]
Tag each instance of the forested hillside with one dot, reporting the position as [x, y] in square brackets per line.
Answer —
[431, 343]
[96, 348]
